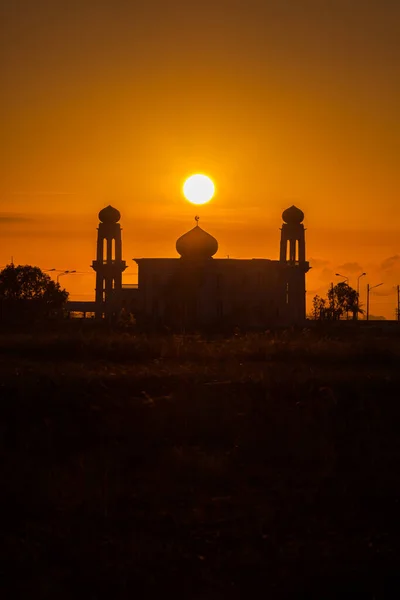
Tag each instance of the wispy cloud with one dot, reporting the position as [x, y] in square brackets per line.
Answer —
[326, 274]
[41, 194]
[318, 263]
[319, 291]
[14, 218]
[391, 262]
[351, 267]
[383, 292]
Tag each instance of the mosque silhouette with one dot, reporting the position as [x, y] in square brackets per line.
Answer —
[197, 291]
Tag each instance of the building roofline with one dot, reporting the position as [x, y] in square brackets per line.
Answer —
[177, 258]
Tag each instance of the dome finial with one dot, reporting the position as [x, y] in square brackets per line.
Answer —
[197, 219]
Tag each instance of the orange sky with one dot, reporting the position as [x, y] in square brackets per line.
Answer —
[281, 102]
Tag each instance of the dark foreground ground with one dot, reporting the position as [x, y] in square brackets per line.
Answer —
[260, 466]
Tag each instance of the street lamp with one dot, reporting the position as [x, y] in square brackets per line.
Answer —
[358, 282]
[369, 288]
[344, 277]
[358, 291]
[64, 273]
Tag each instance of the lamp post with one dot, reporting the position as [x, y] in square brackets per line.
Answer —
[358, 291]
[344, 277]
[64, 273]
[369, 288]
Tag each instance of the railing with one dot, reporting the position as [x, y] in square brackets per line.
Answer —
[109, 262]
[296, 263]
[130, 286]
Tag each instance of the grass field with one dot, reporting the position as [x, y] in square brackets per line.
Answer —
[264, 465]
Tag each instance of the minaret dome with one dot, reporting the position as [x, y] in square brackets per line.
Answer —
[109, 214]
[293, 215]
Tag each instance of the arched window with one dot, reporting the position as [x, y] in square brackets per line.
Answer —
[104, 249]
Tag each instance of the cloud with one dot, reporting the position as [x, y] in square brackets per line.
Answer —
[390, 263]
[319, 291]
[318, 263]
[326, 274]
[14, 218]
[351, 267]
[39, 194]
[383, 292]
[376, 318]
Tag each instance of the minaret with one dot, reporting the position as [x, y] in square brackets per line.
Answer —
[293, 236]
[293, 254]
[108, 264]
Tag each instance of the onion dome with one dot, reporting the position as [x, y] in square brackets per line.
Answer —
[293, 215]
[109, 214]
[197, 244]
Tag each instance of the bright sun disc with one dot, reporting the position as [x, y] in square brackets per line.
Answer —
[198, 189]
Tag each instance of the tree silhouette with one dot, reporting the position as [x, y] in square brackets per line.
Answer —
[319, 308]
[341, 300]
[26, 293]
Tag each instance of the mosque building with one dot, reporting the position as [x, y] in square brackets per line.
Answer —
[196, 291]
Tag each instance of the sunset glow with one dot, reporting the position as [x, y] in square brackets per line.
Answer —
[198, 189]
[300, 108]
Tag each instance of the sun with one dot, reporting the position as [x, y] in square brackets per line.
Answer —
[198, 189]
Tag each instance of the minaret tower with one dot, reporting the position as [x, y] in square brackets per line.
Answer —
[293, 243]
[108, 264]
[293, 254]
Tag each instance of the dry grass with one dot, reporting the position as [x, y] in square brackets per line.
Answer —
[261, 464]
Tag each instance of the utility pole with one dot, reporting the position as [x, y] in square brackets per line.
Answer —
[358, 292]
[369, 288]
[398, 302]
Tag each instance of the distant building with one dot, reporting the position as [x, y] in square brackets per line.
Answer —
[197, 291]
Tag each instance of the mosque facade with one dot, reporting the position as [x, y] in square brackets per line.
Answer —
[196, 291]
